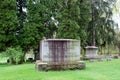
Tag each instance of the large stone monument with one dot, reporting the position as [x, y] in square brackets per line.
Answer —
[57, 54]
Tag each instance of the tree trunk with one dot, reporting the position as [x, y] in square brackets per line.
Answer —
[12, 61]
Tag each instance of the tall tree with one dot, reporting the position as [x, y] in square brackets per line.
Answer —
[85, 17]
[39, 23]
[8, 23]
[22, 18]
[65, 17]
[101, 26]
[68, 24]
[74, 19]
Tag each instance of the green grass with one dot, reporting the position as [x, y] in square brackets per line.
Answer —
[94, 71]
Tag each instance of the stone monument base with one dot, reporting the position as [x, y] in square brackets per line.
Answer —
[45, 66]
[88, 58]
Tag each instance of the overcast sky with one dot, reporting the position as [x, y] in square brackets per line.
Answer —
[116, 15]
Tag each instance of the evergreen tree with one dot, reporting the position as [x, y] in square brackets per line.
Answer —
[8, 24]
[39, 23]
[101, 26]
[68, 24]
[85, 17]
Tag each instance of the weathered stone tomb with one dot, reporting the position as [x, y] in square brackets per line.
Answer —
[59, 54]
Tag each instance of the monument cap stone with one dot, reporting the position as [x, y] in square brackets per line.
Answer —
[91, 47]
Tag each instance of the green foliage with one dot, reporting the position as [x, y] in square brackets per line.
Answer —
[101, 26]
[85, 17]
[72, 19]
[8, 23]
[38, 24]
[68, 24]
[68, 29]
[32, 29]
[117, 38]
[14, 54]
[74, 16]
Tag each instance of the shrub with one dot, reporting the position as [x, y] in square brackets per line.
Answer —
[15, 55]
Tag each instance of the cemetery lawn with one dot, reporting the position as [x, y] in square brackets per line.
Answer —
[106, 70]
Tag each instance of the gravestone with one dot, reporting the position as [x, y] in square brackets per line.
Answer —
[29, 56]
[57, 54]
[91, 52]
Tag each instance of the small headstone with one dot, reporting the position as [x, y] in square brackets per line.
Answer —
[119, 54]
[109, 59]
[92, 60]
[91, 52]
[100, 59]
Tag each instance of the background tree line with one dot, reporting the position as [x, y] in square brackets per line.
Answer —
[23, 23]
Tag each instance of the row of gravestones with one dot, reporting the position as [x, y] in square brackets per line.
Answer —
[89, 51]
[62, 46]
[107, 58]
